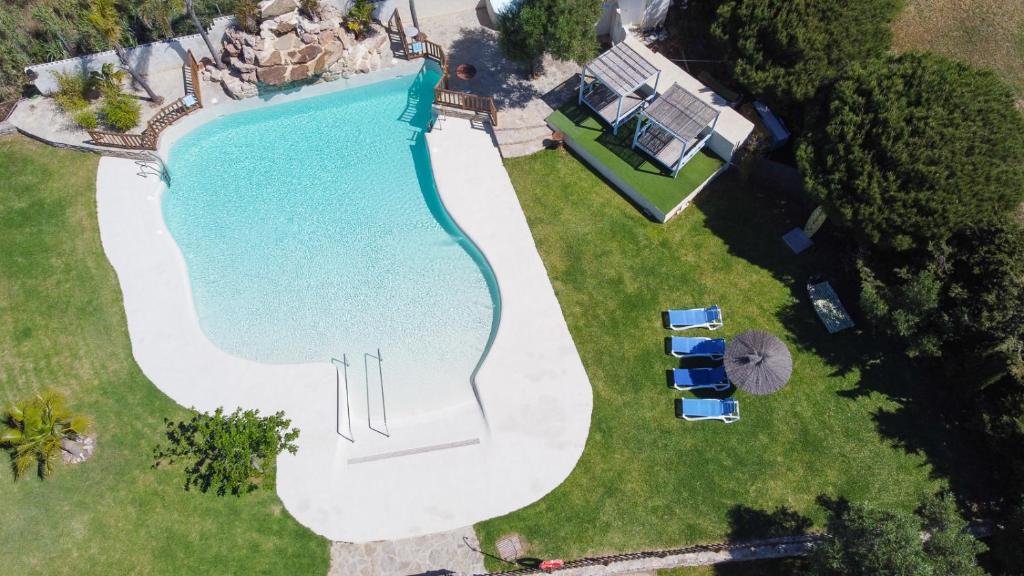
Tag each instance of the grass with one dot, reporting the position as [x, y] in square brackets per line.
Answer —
[647, 480]
[615, 152]
[62, 324]
[987, 33]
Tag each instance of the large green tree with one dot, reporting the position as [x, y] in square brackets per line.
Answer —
[913, 148]
[565, 29]
[786, 50]
[870, 541]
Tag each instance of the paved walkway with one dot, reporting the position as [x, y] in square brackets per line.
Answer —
[523, 103]
[434, 554]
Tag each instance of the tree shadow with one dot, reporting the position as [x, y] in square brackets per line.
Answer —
[750, 215]
[746, 524]
[495, 75]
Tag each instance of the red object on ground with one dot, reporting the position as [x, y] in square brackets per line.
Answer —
[549, 564]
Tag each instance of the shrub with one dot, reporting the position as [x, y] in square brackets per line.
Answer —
[121, 112]
[35, 430]
[107, 79]
[562, 28]
[231, 454]
[312, 8]
[247, 15]
[358, 18]
[86, 118]
[71, 91]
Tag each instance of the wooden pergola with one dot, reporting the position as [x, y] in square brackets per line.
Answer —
[675, 127]
[616, 84]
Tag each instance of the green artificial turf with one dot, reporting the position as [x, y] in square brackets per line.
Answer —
[646, 479]
[614, 151]
[62, 324]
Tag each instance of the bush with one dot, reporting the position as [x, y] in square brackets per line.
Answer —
[359, 18]
[786, 51]
[71, 91]
[562, 28]
[231, 454]
[34, 430]
[121, 112]
[86, 118]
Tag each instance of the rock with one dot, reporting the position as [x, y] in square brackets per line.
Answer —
[301, 72]
[248, 55]
[273, 75]
[237, 89]
[272, 58]
[283, 27]
[374, 61]
[231, 49]
[320, 64]
[249, 77]
[213, 73]
[309, 39]
[307, 54]
[327, 36]
[347, 39]
[333, 52]
[274, 8]
[286, 43]
[242, 66]
[248, 40]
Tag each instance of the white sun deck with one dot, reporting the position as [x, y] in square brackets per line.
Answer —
[438, 471]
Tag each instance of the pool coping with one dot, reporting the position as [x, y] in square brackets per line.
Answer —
[532, 384]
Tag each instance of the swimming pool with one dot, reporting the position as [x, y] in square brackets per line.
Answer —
[313, 230]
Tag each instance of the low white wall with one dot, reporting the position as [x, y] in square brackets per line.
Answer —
[433, 8]
[147, 58]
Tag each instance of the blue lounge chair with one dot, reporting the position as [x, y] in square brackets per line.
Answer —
[694, 378]
[680, 346]
[710, 318]
[727, 410]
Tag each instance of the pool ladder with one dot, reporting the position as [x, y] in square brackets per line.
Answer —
[343, 425]
[152, 164]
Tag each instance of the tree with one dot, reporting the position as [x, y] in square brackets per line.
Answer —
[229, 454]
[870, 541]
[786, 50]
[36, 430]
[190, 7]
[914, 148]
[950, 547]
[105, 18]
[107, 79]
[565, 29]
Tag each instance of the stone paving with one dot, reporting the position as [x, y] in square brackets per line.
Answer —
[445, 553]
[523, 103]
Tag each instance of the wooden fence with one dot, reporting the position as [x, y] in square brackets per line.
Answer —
[166, 116]
[442, 95]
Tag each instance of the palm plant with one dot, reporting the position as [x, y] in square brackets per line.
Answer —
[105, 18]
[36, 429]
[107, 79]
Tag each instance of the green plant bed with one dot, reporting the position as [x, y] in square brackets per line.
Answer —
[651, 180]
[648, 480]
[62, 325]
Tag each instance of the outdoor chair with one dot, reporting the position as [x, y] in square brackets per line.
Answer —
[727, 410]
[710, 318]
[680, 346]
[695, 378]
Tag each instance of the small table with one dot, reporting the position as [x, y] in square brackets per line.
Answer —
[465, 71]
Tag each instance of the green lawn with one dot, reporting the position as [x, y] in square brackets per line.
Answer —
[615, 152]
[62, 324]
[646, 479]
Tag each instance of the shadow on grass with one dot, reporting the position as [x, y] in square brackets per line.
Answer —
[746, 523]
[751, 218]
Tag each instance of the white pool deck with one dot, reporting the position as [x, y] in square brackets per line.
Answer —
[439, 470]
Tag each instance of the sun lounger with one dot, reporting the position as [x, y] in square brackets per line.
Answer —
[694, 378]
[828, 307]
[727, 410]
[710, 318]
[680, 346]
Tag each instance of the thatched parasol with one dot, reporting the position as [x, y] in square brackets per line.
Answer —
[758, 362]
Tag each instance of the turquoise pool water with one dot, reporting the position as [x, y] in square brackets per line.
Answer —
[313, 229]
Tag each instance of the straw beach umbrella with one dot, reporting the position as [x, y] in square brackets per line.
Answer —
[758, 362]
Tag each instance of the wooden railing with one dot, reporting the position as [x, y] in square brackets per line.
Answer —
[150, 137]
[442, 95]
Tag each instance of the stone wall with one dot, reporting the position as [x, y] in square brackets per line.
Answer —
[292, 47]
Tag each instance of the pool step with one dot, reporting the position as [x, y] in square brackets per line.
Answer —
[521, 140]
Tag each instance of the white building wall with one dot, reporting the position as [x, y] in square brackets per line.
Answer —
[146, 58]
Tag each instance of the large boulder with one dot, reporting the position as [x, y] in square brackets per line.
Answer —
[283, 27]
[273, 75]
[287, 42]
[272, 58]
[301, 72]
[237, 89]
[274, 8]
[307, 54]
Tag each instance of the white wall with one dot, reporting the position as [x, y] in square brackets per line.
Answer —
[147, 58]
[434, 8]
[643, 14]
